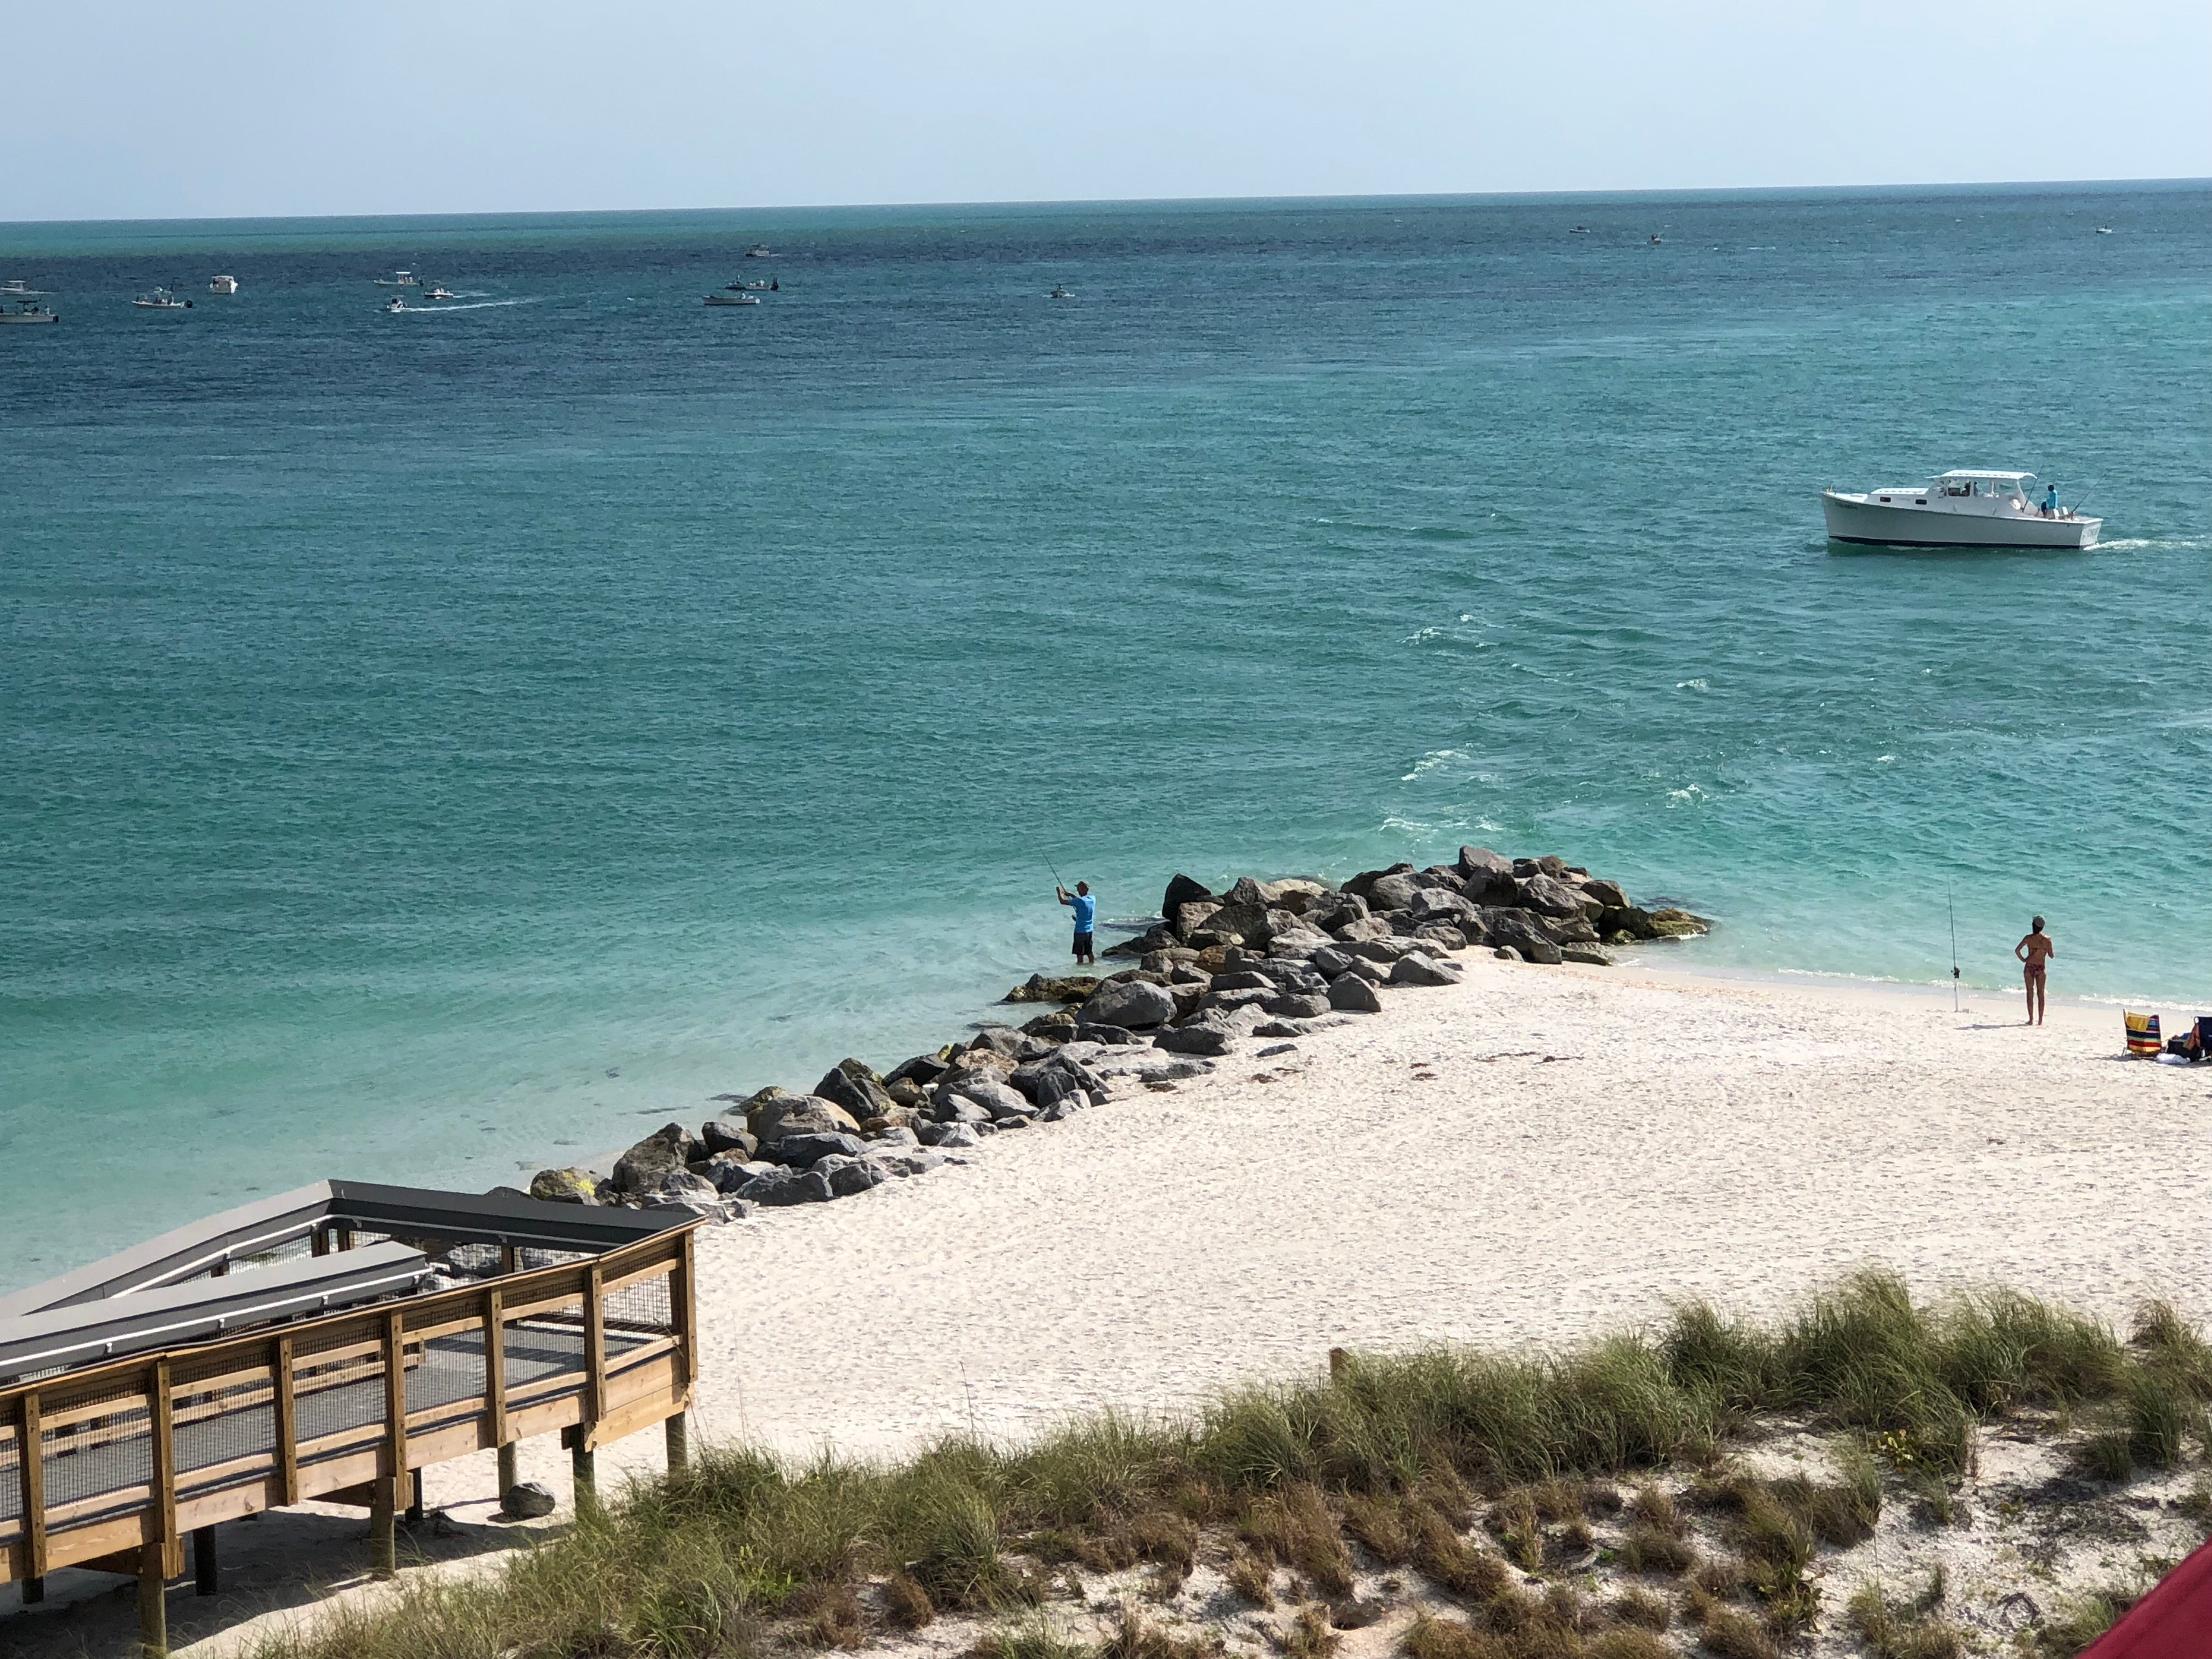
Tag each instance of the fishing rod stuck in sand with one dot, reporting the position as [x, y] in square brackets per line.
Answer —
[1953, 910]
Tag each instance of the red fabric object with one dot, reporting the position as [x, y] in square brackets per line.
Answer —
[2174, 1621]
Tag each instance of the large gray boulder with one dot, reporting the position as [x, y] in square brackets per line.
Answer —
[1332, 910]
[729, 1172]
[1571, 930]
[783, 1187]
[1301, 942]
[949, 1137]
[1607, 893]
[773, 1113]
[906, 1161]
[1420, 969]
[1242, 979]
[528, 1500]
[676, 1187]
[718, 1135]
[1367, 927]
[1398, 892]
[995, 1098]
[1548, 895]
[1383, 950]
[854, 1087]
[1183, 891]
[804, 1151]
[1331, 962]
[1130, 1004]
[565, 1186]
[1352, 994]
[1200, 1037]
[1485, 876]
[924, 1069]
[1301, 1004]
[849, 1175]
[1364, 883]
[666, 1150]
[1522, 932]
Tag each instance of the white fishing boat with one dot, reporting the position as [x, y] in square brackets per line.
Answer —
[399, 279]
[16, 288]
[441, 294]
[28, 311]
[734, 299]
[223, 285]
[397, 302]
[161, 299]
[1058, 293]
[758, 251]
[1961, 508]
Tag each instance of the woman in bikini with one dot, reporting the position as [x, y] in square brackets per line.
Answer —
[2035, 950]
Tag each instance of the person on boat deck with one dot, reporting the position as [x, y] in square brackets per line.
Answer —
[2051, 503]
[1086, 913]
[2035, 950]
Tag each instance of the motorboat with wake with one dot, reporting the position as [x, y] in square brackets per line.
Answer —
[161, 299]
[16, 288]
[441, 294]
[29, 311]
[1961, 508]
[398, 303]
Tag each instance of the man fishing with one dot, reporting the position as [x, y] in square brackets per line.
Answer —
[2035, 950]
[1086, 913]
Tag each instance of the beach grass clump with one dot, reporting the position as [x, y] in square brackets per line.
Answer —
[1395, 1455]
[1903, 1630]
[2078, 1621]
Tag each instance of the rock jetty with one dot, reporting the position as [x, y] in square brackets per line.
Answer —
[1268, 960]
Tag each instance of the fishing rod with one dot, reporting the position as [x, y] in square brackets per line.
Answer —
[1950, 905]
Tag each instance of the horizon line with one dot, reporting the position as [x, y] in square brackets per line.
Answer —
[1647, 192]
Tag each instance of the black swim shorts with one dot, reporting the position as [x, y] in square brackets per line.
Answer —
[1083, 945]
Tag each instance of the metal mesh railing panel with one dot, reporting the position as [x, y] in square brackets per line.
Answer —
[100, 1454]
[219, 1417]
[11, 1477]
[643, 1306]
[543, 1347]
[452, 1369]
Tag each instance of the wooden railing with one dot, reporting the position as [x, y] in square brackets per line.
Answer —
[115, 1466]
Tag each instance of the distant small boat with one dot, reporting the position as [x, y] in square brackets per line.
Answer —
[399, 279]
[28, 311]
[732, 300]
[397, 302]
[1656, 241]
[16, 289]
[1577, 230]
[161, 299]
[748, 288]
[2104, 230]
[441, 294]
[1058, 293]
[223, 285]
[758, 251]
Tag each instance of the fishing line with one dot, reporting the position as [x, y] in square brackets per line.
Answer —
[1953, 907]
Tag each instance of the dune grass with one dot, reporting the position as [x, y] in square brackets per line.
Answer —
[1403, 1453]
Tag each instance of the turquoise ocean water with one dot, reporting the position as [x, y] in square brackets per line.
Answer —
[440, 742]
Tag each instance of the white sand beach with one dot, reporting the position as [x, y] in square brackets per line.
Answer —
[1535, 1156]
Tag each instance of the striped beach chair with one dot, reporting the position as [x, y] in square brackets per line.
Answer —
[2142, 1034]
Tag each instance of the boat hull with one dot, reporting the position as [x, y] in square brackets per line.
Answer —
[44, 317]
[1873, 524]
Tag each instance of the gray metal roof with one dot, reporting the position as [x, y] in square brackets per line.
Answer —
[215, 1277]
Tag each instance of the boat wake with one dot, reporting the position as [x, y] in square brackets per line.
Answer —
[480, 305]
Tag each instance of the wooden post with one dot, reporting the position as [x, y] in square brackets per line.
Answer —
[383, 1547]
[165, 1471]
[494, 1319]
[383, 1496]
[510, 1475]
[415, 1498]
[679, 1443]
[33, 1449]
[288, 1425]
[153, 1601]
[207, 1572]
[595, 1355]
[583, 1472]
[683, 1314]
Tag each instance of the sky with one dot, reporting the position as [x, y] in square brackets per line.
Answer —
[148, 109]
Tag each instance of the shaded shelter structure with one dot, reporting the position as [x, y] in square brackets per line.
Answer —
[328, 1344]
